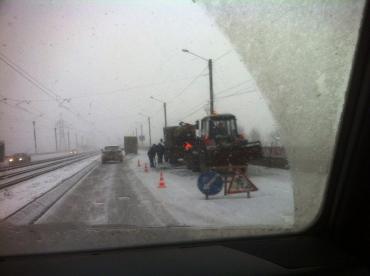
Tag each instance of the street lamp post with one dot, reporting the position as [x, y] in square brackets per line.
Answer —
[56, 139]
[34, 135]
[69, 145]
[210, 70]
[150, 130]
[164, 109]
[141, 134]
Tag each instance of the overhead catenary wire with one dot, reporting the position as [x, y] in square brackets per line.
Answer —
[28, 77]
[17, 107]
[23, 73]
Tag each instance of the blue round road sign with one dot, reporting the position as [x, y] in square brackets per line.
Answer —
[210, 183]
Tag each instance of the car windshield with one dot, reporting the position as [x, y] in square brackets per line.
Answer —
[150, 122]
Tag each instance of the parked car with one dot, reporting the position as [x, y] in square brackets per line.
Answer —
[18, 158]
[112, 153]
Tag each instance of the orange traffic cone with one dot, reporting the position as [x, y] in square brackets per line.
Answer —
[161, 181]
[138, 163]
[146, 168]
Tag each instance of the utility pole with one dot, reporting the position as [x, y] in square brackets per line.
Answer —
[69, 145]
[34, 135]
[136, 131]
[76, 140]
[141, 133]
[210, 69]
[150, 132]
[56, 140]
[164, 109]
[165, 114]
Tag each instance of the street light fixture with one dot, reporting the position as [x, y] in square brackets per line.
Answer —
[164, 109]
[210, 65]
[150, 130]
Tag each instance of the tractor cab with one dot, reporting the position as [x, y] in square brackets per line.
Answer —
[219, 129]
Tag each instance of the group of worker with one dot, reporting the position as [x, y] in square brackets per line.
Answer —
[156, 150]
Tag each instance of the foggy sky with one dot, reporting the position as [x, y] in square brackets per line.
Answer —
[104, 59]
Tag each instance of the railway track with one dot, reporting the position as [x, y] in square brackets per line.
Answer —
[35, 208]
[32, 163]
[17, 175]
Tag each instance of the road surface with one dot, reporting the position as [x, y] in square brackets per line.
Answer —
[109, 195]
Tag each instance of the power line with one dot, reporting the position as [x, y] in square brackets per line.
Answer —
[40, 86]
[27, 76]
[189, 84]
[232, 87]
[17, 107]
[197, 108]
[223, 55]
[237, 94]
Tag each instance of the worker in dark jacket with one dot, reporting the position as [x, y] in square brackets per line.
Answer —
[151, 154]
[160, 152]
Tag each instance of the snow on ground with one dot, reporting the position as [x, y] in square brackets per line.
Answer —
[14, 197]
[42, 156]
[272, 204]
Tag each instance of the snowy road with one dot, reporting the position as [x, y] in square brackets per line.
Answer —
[109, 195]
[123, 194]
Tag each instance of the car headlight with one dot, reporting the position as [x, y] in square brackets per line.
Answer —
[20, 158]
[11, 159]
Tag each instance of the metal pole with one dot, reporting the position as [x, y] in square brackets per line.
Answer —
[211, 86]
[136, 131]
[165, 114]
[150, 133]
[76, 140]
[141, 133]
[69, 145]
[34, 135]
[56, 139]
[271, 154]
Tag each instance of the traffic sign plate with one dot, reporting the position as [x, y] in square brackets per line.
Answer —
[210, 183]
